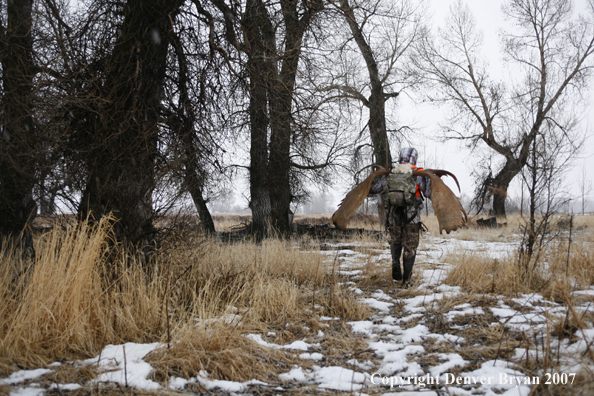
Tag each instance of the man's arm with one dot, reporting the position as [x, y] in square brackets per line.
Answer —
[425, 186]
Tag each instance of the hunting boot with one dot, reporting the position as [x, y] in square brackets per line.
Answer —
[396, 250]
[408, 263]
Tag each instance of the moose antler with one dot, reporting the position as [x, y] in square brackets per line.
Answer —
[450, 213]
[440, 173]
[355, 198]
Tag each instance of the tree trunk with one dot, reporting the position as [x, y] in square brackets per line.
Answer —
[195, 182]
[281, 98]
[281, 101]
[499, 187]
[532, 190]
[279, 166]
[271, 95]
[377, 127]
[206, 222]
[258, 72]
[123, 153]
[17, 142]
[183, 124]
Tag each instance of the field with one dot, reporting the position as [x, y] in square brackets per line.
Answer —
[301, 316]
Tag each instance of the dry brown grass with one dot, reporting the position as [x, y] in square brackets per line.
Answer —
[553, 268]
[554, 272]
[222, 350]
[479, 274]
[69, 303]
[65, 306]
[229, 222]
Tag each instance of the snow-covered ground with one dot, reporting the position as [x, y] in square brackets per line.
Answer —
[398, 335]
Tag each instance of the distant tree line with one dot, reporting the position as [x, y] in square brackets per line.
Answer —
[126, 106]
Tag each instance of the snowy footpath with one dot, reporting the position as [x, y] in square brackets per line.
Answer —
[412, 344]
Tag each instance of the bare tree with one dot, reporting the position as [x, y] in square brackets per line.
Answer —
[271, 39]
[545, 179]
[549, 54]
[115, 64]
[383, 32]
[195, 89]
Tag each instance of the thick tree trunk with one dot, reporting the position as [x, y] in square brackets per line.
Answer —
[122, 156]
[271, 95]
[259, 183]
[259, 73]
[281, 102]
[206, 222]
[18, 153]
[500, 186]
[377, 126]
[279, 166]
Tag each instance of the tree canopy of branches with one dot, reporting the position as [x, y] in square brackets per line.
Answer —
[549, 53]
[123, 141]
[136, 98]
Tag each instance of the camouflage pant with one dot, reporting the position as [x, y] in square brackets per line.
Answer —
[407, 236]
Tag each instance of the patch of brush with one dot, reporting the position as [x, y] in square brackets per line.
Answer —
[376, 275]
[54, 382]
[582, 385]
[292, 332]
[565, 328]
[447, 304]
[344, 304]
[339, 345]
[68, 306]
[483, 301]
[223, 351]
[522, 308]
[398, 309]
[588, 315]
[407, 292]
[411, 321]
[371, 247]
[433, 348]
[485, 342]
[477, 273]
[436, 321]
[558, 381]
[71, 373]
[466, 323]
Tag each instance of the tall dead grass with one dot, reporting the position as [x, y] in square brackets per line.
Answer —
[65, 305]
[83, 292]
[478, 274]
[557, 269]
